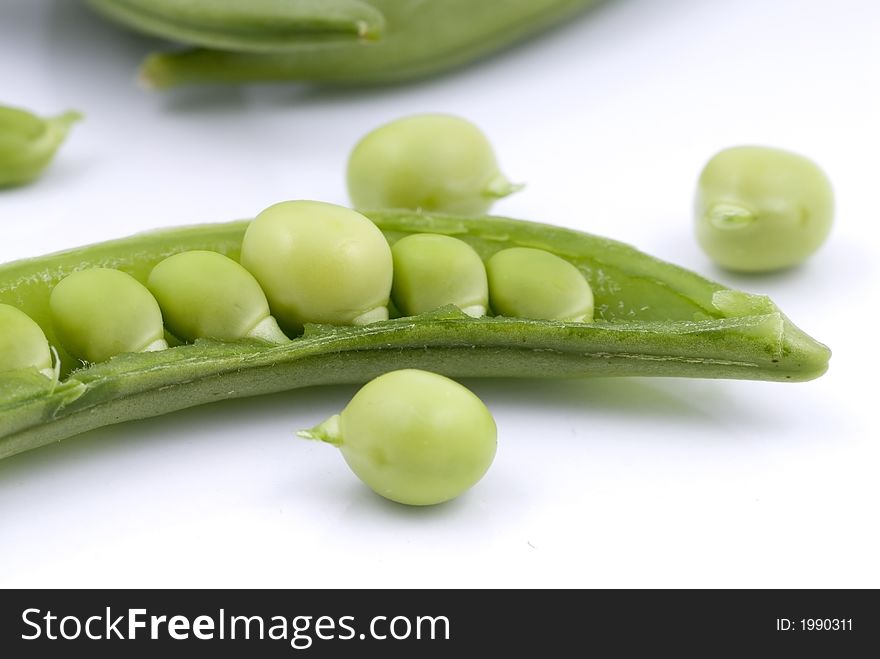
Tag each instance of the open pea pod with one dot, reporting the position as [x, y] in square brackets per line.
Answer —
[338, 41]
[652, 319]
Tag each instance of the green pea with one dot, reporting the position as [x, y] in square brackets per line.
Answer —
[760, 209]
[413, 437]
[531, 283]
[100, 313]
[28, 143]
[319, 263]
[205, 294]
[432, 162]
[432, 270]
[23, 343]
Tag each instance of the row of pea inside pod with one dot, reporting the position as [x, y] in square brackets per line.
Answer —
[301, 262]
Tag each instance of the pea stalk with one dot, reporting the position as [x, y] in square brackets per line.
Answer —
[338, 41]
[652, 319]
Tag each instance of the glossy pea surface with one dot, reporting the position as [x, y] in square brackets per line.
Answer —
[434, 162]
[100, 313]
[531, 283]
[433, 270]
[22, 343]
[414, 437]
[319, 263]
[204, 294]
[760, 209]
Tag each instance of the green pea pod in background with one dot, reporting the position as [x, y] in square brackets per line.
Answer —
[28, 143]
[652, 318]
[338, 41]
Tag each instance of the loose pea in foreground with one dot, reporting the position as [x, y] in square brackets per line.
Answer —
[100, 313]
[413, 436]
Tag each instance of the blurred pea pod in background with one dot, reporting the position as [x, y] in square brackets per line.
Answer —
[336, 41]
[28, 143]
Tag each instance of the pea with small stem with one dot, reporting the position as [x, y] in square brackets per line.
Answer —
[759, 209]
[205, 294]
[319, 263]
[28, 143]
[413, 436]
[434, 162]
[531, 283]
[433, 270]
[100, 313]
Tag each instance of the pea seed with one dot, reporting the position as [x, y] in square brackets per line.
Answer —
[432, 162]
[204, 294]
[319, 263]
[531, 283]
[760, 209]
[23, 343]
[413, 436]
[100, 313]
[433, 270]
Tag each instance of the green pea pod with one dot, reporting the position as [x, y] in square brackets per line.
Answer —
[28, 143]
[651, 319]
[339, 41]
[252, 26]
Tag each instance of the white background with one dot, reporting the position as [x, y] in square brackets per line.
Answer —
[598, 483]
